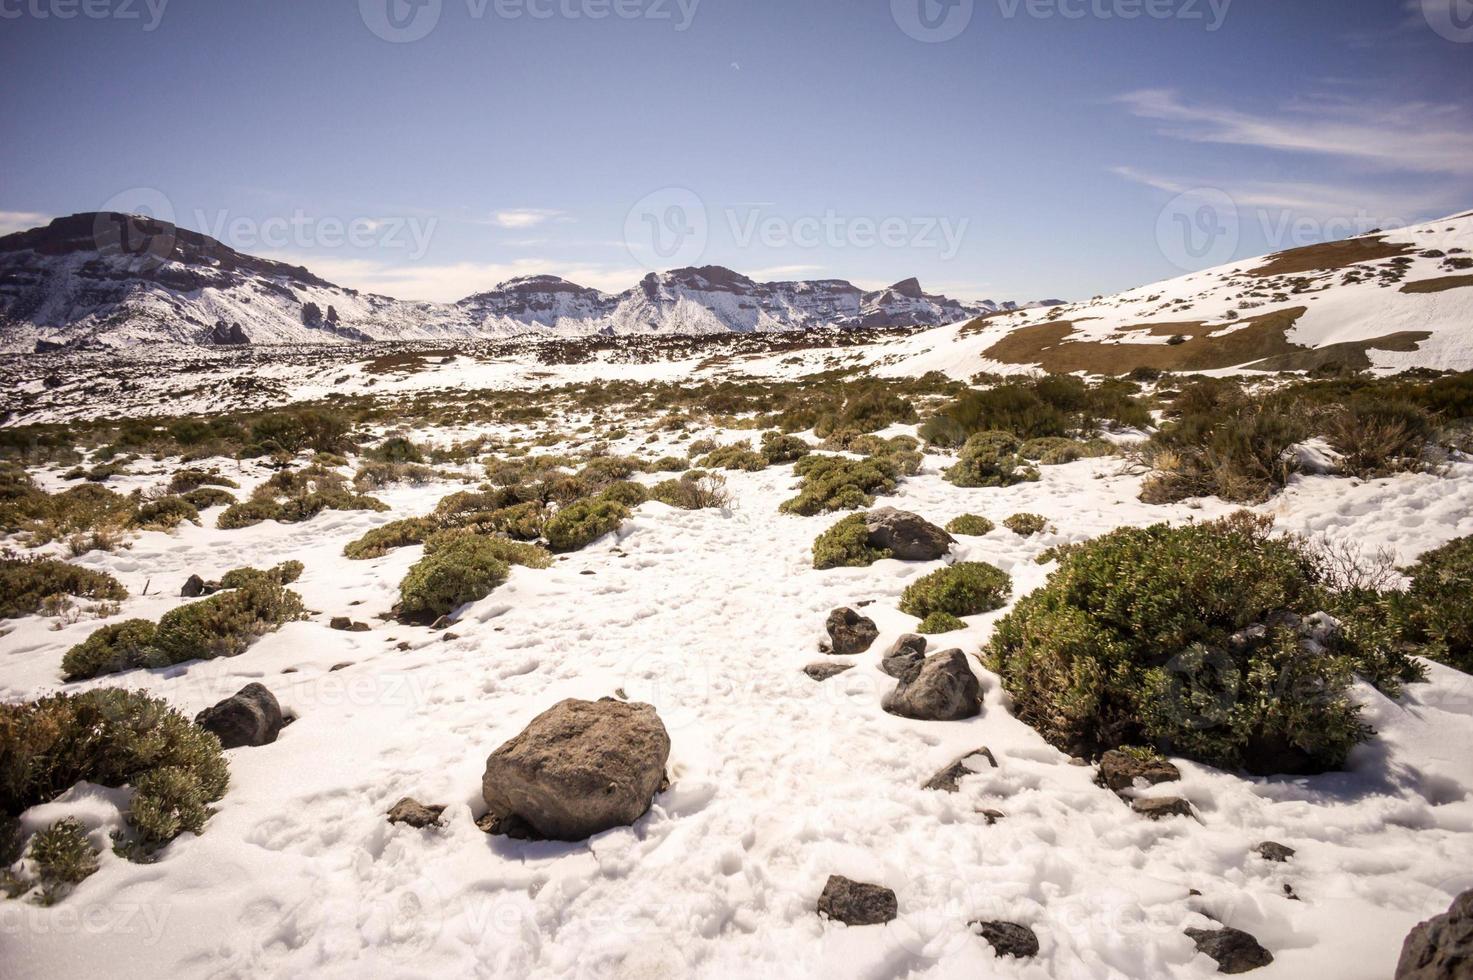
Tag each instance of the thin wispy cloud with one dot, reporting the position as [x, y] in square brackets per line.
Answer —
[526, 217]
[448, 282]
[13, 221]
[1419, 137]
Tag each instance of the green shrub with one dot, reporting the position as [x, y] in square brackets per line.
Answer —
[167, 801]
[206, 497]
[990, 459]
[583, 522]
[1225, 445]
[970, 524]
[512, 552]
[737, 457]
[1026, 525]
[964, 589]
[226, 623]
[293, 496]
[1188, 639]
[695, 490]
[25, 583]
[846, 545]
[833, 483]
[396, 449]
[165, 514]
[779, 448]
[1378, 437]
[1057, 553]
[63, 857]
[295, 431]
[462, 569]
[373, 475]
[112, 649]
[1435, 612]
[43, 517]
[191, 479]
[669, 464]
[110, 737]
[283, 574]
[1056, 405]
[625, 492]
[940, 622]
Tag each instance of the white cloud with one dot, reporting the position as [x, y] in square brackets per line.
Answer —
[1418, 136]
[12, 221]
[453, 281]
[526, 217]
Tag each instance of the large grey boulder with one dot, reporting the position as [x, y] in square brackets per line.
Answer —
[850, 633]
[1234, 950]
[856, 903]
[906, 536]
[251, 716]
[944, 689]
[903, 660]
[1119, 770]
[1008, 938]
[1442, 947]
[578, 769]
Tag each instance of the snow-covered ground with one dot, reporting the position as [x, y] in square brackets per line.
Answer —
[776, 781]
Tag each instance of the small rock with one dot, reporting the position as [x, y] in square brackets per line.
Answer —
[856, 903]
[415, 813]
[1234, 950]
[906, 536]
[443, 623]
[194, 587]
[1274, 851]
[1442, 947]
[340, 623]
[342, 666]
[1119, 770]
[251, 716]
[402, 646]
[1008, 938]
[823, 671]
[992, 816]
[579, 768]
[1159, 807]
[903, 660]
[850, 633]
[947, 780]
[944, 689]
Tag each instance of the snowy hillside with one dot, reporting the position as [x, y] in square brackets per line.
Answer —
[1391, 300]
[125, 280]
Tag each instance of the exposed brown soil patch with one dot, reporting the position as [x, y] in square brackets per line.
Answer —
[1330, 255]
[1439, 285]
[1352, 354]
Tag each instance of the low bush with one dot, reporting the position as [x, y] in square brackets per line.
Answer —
[396, 450]
[114, 648]
[583, 522]
[293, 496]
[1196, 640]
[26, 583]
[283, 574]
[625, 492]
[964, 589]
[694, 490]
[1224, 444]
[1435, 612]
[846, 545]
[113, 738]
[1026, 525]
[991, 459]
[192, 479]
[833, 483]
[970, 524]
[779, 448]
[373, 475]
[83, 510]
[464, 568]
[512, 552]
[226, 623]
[940, 622]
[165, 514]
[669, 464]
[1056, 405]
[737, 457]
[379, 541]
[63, 857]
[206, 497]
[1378, 437]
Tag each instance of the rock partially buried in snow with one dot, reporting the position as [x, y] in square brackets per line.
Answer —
[416, 814]
[944, 689]
[1008, 938]
[906, 536]
[1119, 770]
[251, 716]
[850, 633]
[1442, 947]
[822, 672]
[1234, 950]
[1274, 851]
[904, 659]
[578, 769]
[1161, 807]
[948, 780]
[856, 903]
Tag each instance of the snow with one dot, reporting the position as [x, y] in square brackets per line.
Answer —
[776, 781]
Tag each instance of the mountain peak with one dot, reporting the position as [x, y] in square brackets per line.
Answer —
[910, 288]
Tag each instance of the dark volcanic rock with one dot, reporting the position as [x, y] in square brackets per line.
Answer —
[1119, 770]
[1008, 938]
[579, 768]
[906, 536]
[1234, 950]
[850, 633]
[251, 716]
[822, 671]
[1159, 807]
[944, 689]
[856, 903]
[415, 813]
[947, 780]
[1274, 851]
[1442, 947]
[903, 660]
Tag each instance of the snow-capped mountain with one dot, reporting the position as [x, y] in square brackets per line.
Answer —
[119, 279]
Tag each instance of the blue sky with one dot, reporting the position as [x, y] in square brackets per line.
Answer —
[1010, 149]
